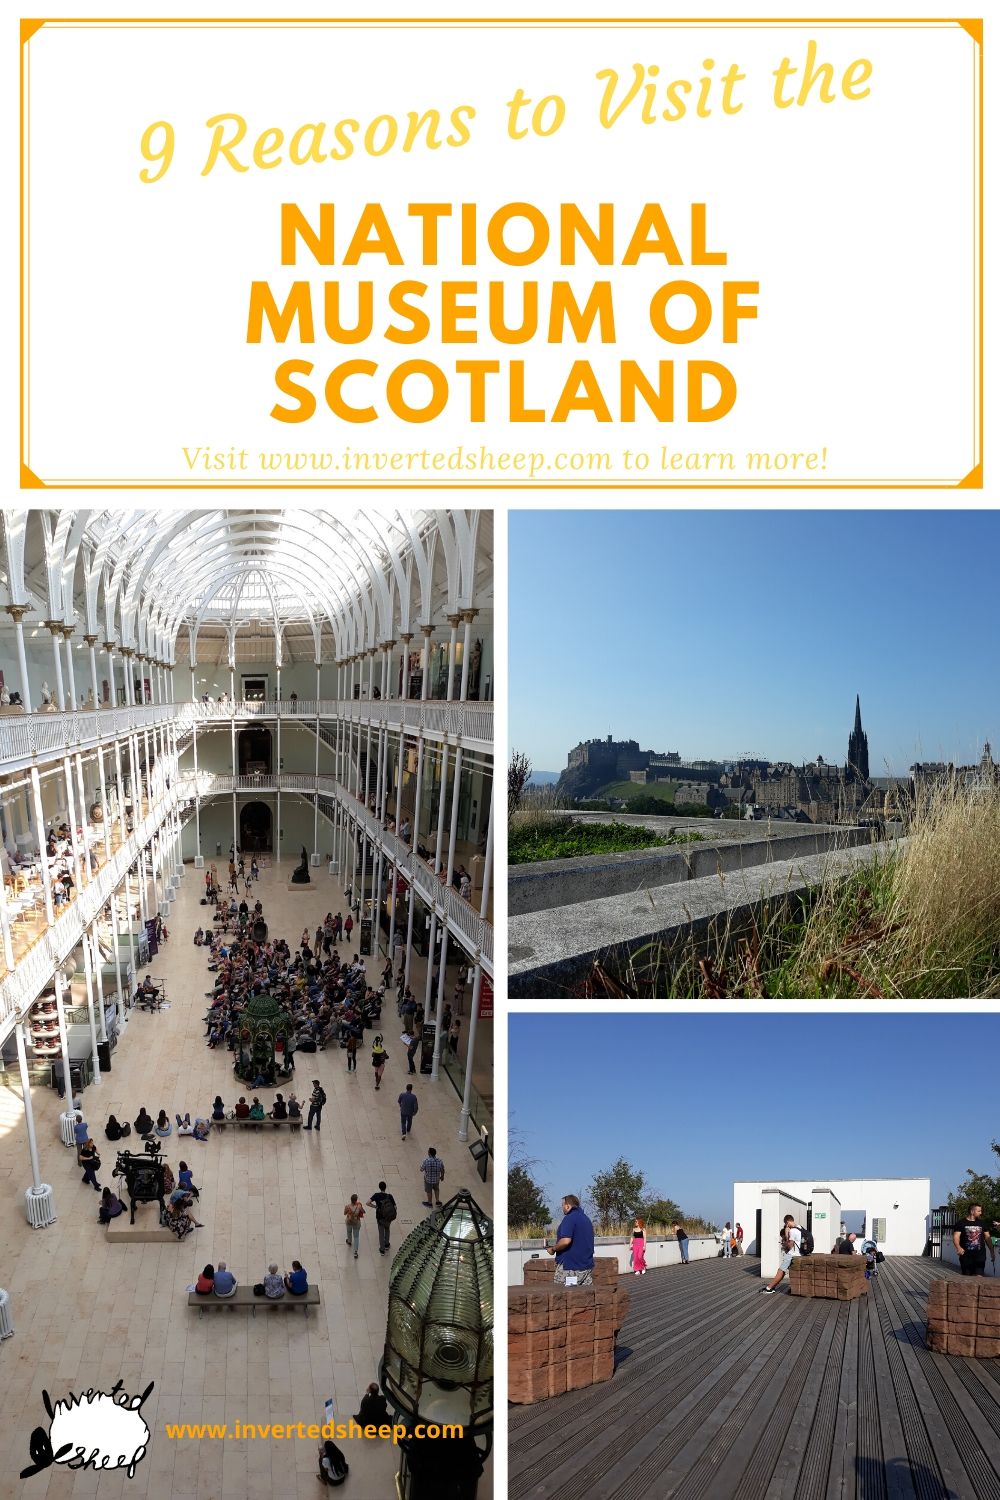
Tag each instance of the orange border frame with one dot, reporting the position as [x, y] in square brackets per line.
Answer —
[973, 480]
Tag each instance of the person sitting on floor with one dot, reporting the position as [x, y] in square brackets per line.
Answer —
[297, 1280]
[109, 1207]
[333, 1466]
[256, 1109]
[143, 1123]
[225, 1281]
[205, 1285]
[279, 1110]
[114, 1131]
[184, 1179]
[199, 937]
[274, 1286]
[374, 1411]
[184, 1127]
[242, 1110]
[163, 1125]
[218, 1108]
[201, 1130]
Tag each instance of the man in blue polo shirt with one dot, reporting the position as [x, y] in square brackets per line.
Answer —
[574, 1246]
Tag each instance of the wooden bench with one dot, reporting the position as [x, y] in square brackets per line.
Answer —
[244, 1297]
[292, 1124]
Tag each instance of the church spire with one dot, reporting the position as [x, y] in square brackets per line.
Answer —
[857, 745]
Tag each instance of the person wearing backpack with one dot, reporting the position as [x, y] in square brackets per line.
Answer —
[384, 1205]
[791, 1241]
[316, 1101]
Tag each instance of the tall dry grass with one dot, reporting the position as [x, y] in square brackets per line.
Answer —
[921, 921]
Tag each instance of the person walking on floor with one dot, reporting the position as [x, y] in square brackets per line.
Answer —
[791, 1245]
[408, 1106]
[412, 1042]
[682, 1243]
[639, 1248]
[384, 1205]
[433, 1169]
[90, 1162]
[348, 929]
[351, 1048]
[379, 1058]
[353, 1214]
[316, 1101]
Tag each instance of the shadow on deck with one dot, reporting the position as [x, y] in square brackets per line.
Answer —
[719, 1393]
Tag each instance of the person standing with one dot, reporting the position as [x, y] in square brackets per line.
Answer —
[574, 1246]
[433, 1169]
[739, 1238]
[379, 1056]
[411, 1041]
[316, 1101]
[408, 1106]
[972, 1239]
[348, 929]
[727, 1241]
[90, 1162]
[384, 1205]
[639, 1248]
[351, 1048]
[791, 1244]
[682, 1243]
[353, 1214]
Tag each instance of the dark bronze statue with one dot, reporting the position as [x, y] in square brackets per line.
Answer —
[144, 1176]
[301, 875]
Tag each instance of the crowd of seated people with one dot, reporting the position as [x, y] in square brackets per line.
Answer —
[325, 999]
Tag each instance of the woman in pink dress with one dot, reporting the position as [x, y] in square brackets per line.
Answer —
[639, 1248]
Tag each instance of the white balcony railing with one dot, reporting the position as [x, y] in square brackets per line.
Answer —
[41, 736]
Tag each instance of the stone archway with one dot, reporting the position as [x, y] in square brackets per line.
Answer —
[256, 828]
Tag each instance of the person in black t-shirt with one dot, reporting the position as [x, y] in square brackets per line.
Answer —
[972, 1240]
[846, 1246]
[682, 1241]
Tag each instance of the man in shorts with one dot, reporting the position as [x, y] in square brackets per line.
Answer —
[791, 1241]
[972, 1239]
[574, 1246]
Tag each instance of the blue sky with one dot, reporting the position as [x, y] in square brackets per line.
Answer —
[700, 1102]
[720, 632]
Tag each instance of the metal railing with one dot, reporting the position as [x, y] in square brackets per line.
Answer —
[40, 736]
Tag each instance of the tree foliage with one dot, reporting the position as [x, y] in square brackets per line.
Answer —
[617, 1193]
[526, 1203]
[978, 1187]
[518, 773]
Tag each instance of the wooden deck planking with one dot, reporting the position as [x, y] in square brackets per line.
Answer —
[725, 1392]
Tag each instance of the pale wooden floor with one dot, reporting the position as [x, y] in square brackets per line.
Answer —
[87, 1314]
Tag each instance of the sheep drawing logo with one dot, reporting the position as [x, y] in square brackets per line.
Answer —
[95, 1430]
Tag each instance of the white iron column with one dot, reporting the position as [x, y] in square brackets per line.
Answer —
[106, 824]
[88, 972]
[91, 641]
[36, 796]
[58, 987]
[453, 622]
[463, 1122]
[17, 613]
[109, 647]
[468, 615]
[67, 634]
[95, 946]
[55, 628]
[425, 662]
[38, 1188]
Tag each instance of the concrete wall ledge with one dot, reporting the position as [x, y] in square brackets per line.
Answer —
[545, 884]
[551, 951]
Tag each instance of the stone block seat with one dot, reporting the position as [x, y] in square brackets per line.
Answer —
[562, 1338]
[841, 1277]
[963, 1317]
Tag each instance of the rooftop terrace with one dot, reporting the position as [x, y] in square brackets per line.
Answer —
[718, 1393]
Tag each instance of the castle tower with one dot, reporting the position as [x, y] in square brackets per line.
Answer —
[857, 745]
